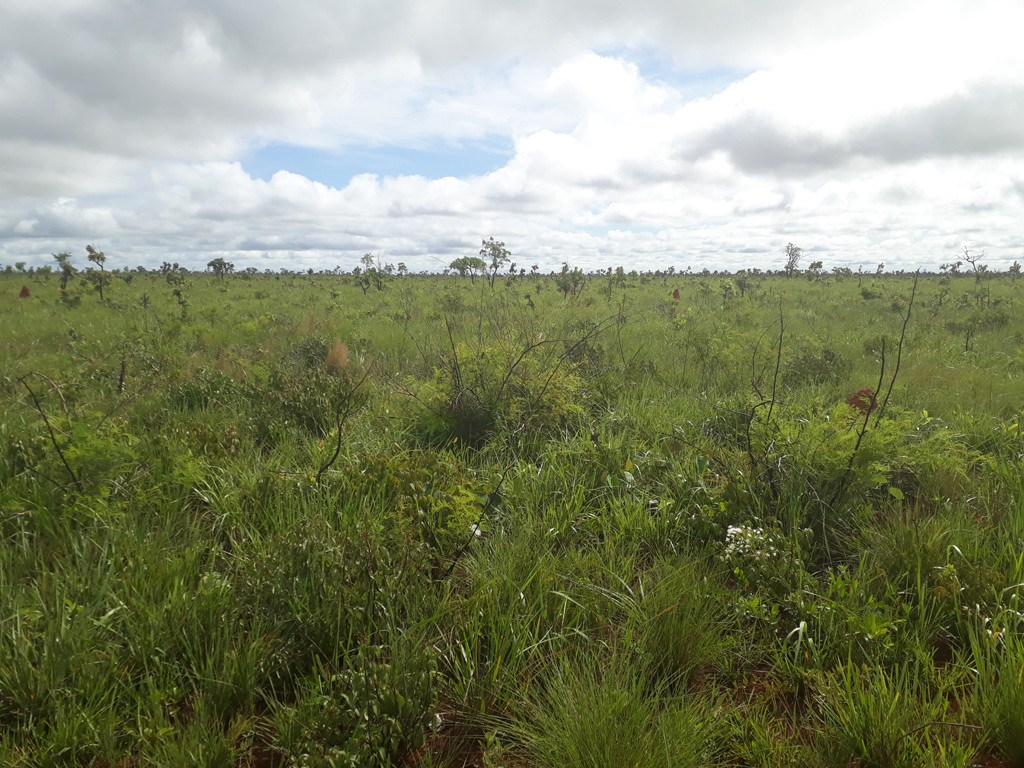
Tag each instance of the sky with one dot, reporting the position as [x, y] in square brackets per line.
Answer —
[646, 134]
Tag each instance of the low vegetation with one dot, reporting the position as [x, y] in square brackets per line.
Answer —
[612, 519]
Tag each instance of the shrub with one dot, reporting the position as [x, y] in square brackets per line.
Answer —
[815, 366]
[431, 497]
[311, 352]
[762, 557]
[370, 714]
[476, 391]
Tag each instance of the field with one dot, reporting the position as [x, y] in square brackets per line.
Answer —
[561, 520]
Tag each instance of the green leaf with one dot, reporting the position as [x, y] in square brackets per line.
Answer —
[896, 493]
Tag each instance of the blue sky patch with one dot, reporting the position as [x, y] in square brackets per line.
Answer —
[657, 68]
[336, 168]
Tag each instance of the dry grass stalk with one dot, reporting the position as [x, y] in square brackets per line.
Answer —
[337, 357]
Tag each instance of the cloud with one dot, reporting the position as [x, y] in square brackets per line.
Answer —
[847, 127]
[195, 80]
[984, 121]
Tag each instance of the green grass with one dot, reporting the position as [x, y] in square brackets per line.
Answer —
[604, 529]
[601, 712]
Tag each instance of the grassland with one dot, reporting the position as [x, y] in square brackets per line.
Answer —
[280, 520]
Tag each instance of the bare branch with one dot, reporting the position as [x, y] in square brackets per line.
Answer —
[53, 437]
[899, 351]
[344, 410]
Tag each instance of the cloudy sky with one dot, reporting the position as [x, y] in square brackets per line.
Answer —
[648, 133]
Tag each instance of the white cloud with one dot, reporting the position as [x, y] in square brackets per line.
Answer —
[855, 128]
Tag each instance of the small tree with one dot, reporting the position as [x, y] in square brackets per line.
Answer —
[373, 274]
[220, 267]
[96, 257]
[470, 264]
[616, 281]
[743, 282]
[67, 270]
[1015, 269]
[364, 283]
[173, 274]
[793, 256]
[570, 280]
[841, 272]
[977, 269]
[497, 254]
[98, 279]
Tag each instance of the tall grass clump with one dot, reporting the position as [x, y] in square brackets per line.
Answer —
[881, 719]
[592, 713]
[681, 622]
[998, 658]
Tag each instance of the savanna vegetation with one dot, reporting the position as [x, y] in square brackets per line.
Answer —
[565, 520]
